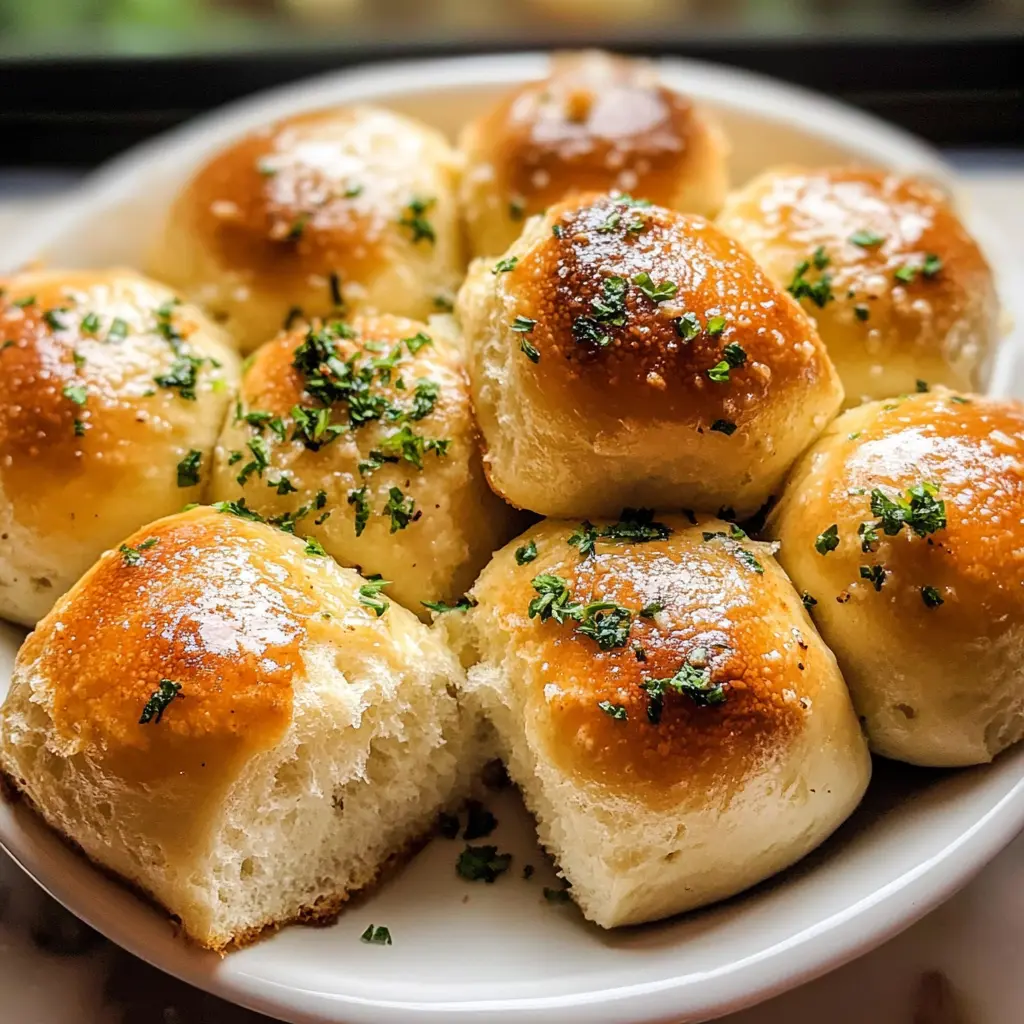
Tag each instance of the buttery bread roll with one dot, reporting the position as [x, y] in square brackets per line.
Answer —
[346, 209]
[240, 728]
[624, 354]
[905, 524]
[596, 123]
[898, 288]
[111, 398]
[660, 696]
[361, 435]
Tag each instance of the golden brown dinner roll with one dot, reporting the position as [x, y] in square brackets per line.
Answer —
[361, 435]
[899, 290]
[596, 123]
[236, 725]
[625, 354]
[659, 694]
[346, 209]
[905, 524]
[111, 398]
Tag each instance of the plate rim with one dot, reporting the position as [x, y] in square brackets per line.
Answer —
[823, 946]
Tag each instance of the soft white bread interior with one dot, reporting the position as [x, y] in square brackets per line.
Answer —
[622, 354]
[220, 718]
[349, 208]
[597, 122]
[898, 288]
[682, 732]
[362, 435]
[111, 398]
[905, 523]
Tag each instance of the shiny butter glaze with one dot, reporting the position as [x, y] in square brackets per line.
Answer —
[757, 637]
[974, 452]
[596, 123]
[949, 321]
[219, 605]
[50, 476]
[648, 366]
[277, 206]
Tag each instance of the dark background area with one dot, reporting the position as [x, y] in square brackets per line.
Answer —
[81, 80]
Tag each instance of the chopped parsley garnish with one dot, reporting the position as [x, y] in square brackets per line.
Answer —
[557, 230]
[869, 539]
[867, 239]
[650, 610]
[687, 326]
[693, 680]
[79, 427]
[556, 895]
[54, 320]
[919, 510]
[238, 508]
[298, 227]
[808, 600]
[159, 702]
[463, 604]
[526, 553]
[606, 623]
[616, 711]
[415, 219]
[352, 191]
[638, 651]
[960, 400]
[133, 556]
[931, 597]
[906, 273]
[931, 266]
[482, 863]
[443, 303]
[607, 308]
[827, 540]
[505, 265]
[553, 600]
[819, 291]
[820, 258]
[118, 329]
[584, 538]
[921, 386]
[875, 574]
[259, 462]
[90, 323]
[75, 393]
[530, 351]
[188, 468]
[407, 444]
[715, 326]
[370, 594]
[24, 302]
[292, 317]
[480, 823]
[424, 398]
[517, 208]
[726, 427]
[182, 375]
[748, 559]
[377, 935]
[314, 547]
[655, 292]
[313, 427]
[523, 325]
[361, 502]
[400, 508]
[283, 485]
[861, 312]
[634, 524]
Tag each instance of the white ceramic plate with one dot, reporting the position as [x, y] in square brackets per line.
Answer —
[484, 954]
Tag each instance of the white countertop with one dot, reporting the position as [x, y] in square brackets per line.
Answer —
[962, 964]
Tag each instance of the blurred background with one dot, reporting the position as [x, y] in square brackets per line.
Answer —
[83, 79]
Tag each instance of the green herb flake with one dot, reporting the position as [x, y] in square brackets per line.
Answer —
[464, 604]
[361, 502]
[159, 701]
[188, 468]
[827, 540]
[808, 601]
[931, 597]
[867, 239]
[480, 823]
[370, 594]
[314, 547]
[606, 623]
[419, 340]
[919, 510]
[53, 318]
[655, 292]
[376, 935]
[523, 325]
[24, 302]
[906, 273]
[874, 574]
[526, 553]
[118, 330]
[861, 312]
[726, 427]
[530, 351]
[505, 265]
[715, 326]
[921, 386]
[482, 863]
[616, 711]
[556, 895]
[931, 266]
[75, 393]
[820, 258]
[414, 218]
[553, 599]
[687, 326]
[400, 508]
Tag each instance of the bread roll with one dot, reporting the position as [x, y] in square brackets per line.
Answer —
[898, 288]
[905, 522]
[625, 355]
[237, 727]
[394, 484]
[596, 123]
[346, 209]
[111, 398]
[682, 732]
